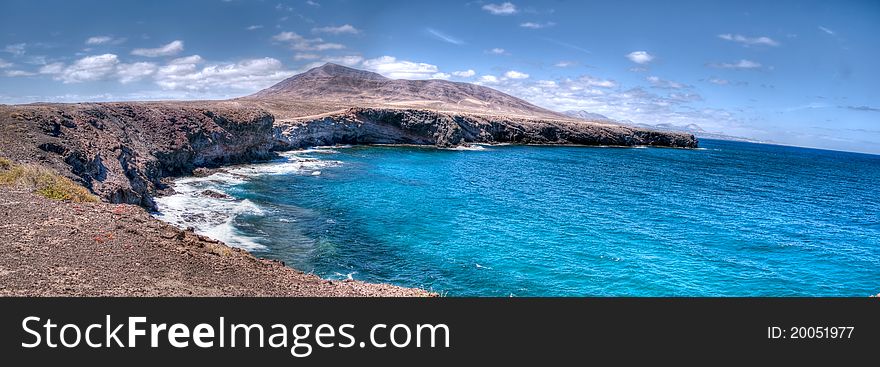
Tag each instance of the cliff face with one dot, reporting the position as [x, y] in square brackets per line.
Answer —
[121, 151]
[393, 126]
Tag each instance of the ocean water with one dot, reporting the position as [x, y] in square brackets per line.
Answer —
[729, 219]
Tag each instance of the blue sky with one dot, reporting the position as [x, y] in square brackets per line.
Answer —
[800, 73]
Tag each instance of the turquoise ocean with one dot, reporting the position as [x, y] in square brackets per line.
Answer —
[728, 219]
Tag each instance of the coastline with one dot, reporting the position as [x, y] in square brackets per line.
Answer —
[126, 153]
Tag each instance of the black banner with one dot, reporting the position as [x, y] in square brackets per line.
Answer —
[486, 330]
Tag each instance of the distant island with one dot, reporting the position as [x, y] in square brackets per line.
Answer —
[126, 153]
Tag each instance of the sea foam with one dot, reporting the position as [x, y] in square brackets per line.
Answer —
[215, 215]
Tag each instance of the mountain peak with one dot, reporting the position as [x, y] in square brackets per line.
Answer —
[330, 70]
[340, 86]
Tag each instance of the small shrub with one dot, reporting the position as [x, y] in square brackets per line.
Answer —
[43, 182]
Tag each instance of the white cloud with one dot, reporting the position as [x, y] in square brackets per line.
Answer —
[177, 68]
[324, 47]
[443, 76]
[352, 60]
[534, 25]
[17, 49]
[313, 3]
[444, 37]
[464, 73]
[488, 79]
[513, 74]
[181, 74]
[301, 43]
[287, 37]
[128, 73]
[4, 64]
[306, 56]
[640, 57]
[194, 59]
[634, 104]
[17, 73]
[498, 51]
[589, 81]
[170, 49]
[718, 81]
[740, 65]
[248, 75]
[343, 29]
[657, 82]
[391, 67]
[254, 27]
[98, 40]
[501, 9]
[565, 64]
[103, 40]
[826, 30]
[748, 41]
[53, 68]
[90, 68]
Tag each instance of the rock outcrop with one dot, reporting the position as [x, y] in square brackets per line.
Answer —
[121, 151]
[425, 127]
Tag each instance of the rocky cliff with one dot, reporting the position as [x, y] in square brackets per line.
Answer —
[409, 126]
[121, 151]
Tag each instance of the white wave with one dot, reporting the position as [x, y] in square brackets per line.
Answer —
[341, 146]
[212, 217]
[349, 276]
[291, 166]
[493, 144]
[216, 179]
[215, 217]
[467, 148]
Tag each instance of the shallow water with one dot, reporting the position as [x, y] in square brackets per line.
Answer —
[731, 219]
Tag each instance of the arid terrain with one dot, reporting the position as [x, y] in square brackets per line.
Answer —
[125, 153]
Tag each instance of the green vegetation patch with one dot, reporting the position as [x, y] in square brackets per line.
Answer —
[43, 181]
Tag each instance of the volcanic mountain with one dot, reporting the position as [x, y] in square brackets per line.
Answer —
[334, 86]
